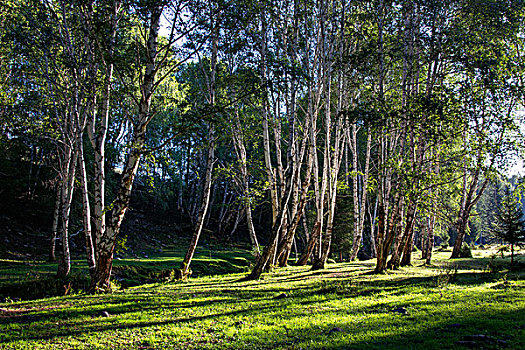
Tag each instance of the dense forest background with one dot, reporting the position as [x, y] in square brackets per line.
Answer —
[300, 129]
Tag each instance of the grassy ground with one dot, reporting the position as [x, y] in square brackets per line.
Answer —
[453, 304]
[29, 279]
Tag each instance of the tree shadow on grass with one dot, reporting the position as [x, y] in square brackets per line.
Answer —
[490, 331]
[240, 302]
[47, 332]
[391, 330]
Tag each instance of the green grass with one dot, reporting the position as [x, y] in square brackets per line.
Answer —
[443, 306]
[35, 279]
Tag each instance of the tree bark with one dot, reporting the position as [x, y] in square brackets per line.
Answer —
[211, 80]
[90, 249]
[314, 236]
[64, 259]
[56, 219]
[245, 186]
[359, 216]
[470, 198]
[105, 240]
[185, 267]
[430, 239]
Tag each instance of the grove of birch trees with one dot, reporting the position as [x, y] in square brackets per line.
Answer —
[259, 120]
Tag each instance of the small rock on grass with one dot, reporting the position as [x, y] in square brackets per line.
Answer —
[401, 310]
[502, 343]
[477, 340]
[281, 296]
[455, 325]
[468, 344]
[335, 330]
[480, 338]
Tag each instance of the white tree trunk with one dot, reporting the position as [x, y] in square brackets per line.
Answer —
[68, 186]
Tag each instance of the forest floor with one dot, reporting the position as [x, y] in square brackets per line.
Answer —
[453, 304]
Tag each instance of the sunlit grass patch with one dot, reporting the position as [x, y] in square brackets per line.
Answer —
[341, 307]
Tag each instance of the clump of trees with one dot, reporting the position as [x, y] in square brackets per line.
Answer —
[237, 111]
[510, 226]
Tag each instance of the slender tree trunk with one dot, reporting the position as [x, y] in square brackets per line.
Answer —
[299, 195]
[97, 132]
[391, 231]
[470, 197]
[373, 217]
[90, 251]
[269, 250]
[105, 244]
[64, 261]
[332, 195]
[264, 111]
[360, 216]
[461, 229]
[430, 239]
[314, 235]
[355, 194]
[185, 267]
[305, 228]
[403, 239]
[56, 220]
[463, 218]
[423, 239]
[210, 160]
[210, 205]
[285, 248]
[238, 217]
[245, 186]
[406, 258]
[223, 207]
[381, 258]
[251, 229]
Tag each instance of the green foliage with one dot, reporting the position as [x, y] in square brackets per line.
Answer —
[509, 225]
[487, 208]
[121, 246]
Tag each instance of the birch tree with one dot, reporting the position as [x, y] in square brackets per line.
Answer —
[214, 15]
[155, 64]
